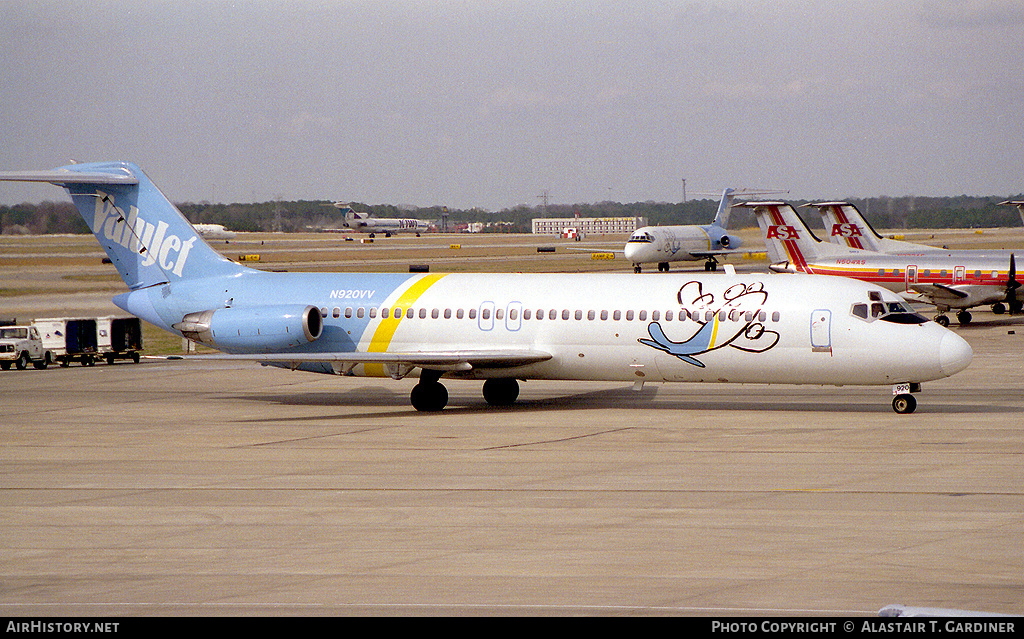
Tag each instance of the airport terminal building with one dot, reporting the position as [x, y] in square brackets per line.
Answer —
[588, 225]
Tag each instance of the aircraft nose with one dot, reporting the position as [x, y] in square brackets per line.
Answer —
[630, 251]
[954, 353]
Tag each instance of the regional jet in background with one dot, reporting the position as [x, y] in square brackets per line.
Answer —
[947, 281]
[214, 231]
[501, 328]
[387, 225]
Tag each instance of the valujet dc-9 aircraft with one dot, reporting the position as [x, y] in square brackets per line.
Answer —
[503, 327]
[663, 244]
[942, 278]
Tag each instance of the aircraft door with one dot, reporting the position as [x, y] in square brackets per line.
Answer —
[911, 276]
[821, 331]
[513, 316]
[485, 320]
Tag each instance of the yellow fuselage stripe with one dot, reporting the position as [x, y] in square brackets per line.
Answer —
[385, 331]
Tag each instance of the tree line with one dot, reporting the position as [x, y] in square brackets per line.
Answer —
[905, 212]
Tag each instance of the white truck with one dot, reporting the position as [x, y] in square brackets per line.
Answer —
[69, 339]
[20, 345]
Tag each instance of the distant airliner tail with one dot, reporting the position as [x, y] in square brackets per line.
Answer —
[146, 237]
[724, 209]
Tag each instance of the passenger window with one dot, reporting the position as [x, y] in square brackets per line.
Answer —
[552, 314]
[643, 316]
[485, 314]
[513, 314]
[565, 314]
[336, 313]
[655, 316]
[360, 312]
[423, 313]
[579, 315]
[472, 313]
[458, 314]
[775, 316]
[447, 313]
[434, 314]
[604, 316]
[616, 315]
[761, 316]
[323, 311]
[373, 312]
[384, 313]
[629, 316]
[591, 315]
[526, 314]
[708, 315]
[348, 313]
[499, 314]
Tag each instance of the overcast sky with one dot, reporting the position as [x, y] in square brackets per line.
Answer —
[489, 103]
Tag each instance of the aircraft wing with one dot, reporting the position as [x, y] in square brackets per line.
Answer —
[448, 361]
[716, 252]
[940, 292]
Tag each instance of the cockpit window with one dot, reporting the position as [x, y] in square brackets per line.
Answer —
[642, 237]
[895, 312]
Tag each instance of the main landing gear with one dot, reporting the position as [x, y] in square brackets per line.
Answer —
[964, 317]
[430, 395]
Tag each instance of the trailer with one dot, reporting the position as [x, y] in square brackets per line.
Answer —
[119, 338]
[69, 339]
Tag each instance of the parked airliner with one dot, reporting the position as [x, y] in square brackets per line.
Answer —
[501, 328]
[387, 225]
[938, 277]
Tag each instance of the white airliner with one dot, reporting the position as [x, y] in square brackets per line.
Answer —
[214, 231]
[664, 244]
[387, 225]
[504, 327]
[939, 277]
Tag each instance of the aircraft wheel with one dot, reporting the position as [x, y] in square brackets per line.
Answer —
[636, 268]
[501, 392]
[998, 308]
[429, 397]
[904, 404]
[663, 267]
[942, 320]
[964, 318]
[1016, 307]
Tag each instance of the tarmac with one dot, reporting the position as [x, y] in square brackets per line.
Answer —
[206, 489]
[179, 488]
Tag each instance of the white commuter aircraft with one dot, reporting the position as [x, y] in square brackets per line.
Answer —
[943, 279]
[214, 231]
[846, 227]
[387, 225]
[502, 328]
[664, 244]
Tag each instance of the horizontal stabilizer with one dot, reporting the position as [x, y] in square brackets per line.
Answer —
[58, 176]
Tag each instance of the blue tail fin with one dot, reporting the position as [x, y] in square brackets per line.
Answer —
[146, 237]
[724, 209]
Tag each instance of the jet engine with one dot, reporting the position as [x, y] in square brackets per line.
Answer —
[254, 329]
[783, 267]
